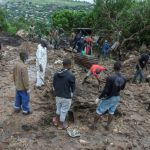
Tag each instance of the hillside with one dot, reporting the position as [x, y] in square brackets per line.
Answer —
[56, 2]
[40, 10]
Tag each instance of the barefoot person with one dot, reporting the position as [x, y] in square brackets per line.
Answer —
[64, 86]
[111, 95]
[21, 80]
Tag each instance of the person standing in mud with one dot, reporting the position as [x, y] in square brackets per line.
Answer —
[56, 39]
[41, 62]
[64, 87]
[141, 64]
[21, 80]
[76, 40]
[31, 32]
[105, 49]
[111, 96]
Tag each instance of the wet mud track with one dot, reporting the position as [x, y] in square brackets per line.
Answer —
[130, 131]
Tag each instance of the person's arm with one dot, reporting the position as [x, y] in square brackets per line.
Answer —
[39, 54]
[14, 70]
[96, 76]
[123, 86]
[72, 83]
[98, 80]
[146, 67]
[25, 78]
[54, 81]
[106, 89]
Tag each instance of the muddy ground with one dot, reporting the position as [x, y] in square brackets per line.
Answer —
[130, 130]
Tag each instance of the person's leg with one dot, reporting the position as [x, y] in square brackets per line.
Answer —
[148, 109]
[58, 110]
[105, 54]
[96, 118]
[84, 80]
[25, 102]
[114, 103]
[136, 76]
[17, 105]
[42, 76]
[101, 109]
[88, 74]
[66, 103]
[110, 117]
[141, 73]
[40, 79]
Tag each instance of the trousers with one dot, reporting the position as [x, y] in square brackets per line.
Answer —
[22, 101]
[139, 75]
[63, 106]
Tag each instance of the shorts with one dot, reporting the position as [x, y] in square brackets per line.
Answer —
[109, 104]
[63, 105]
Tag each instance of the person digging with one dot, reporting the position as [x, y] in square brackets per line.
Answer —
[64, 87]
[95, 71]
[110, 96]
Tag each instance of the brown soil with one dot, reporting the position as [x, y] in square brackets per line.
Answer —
[129, 131]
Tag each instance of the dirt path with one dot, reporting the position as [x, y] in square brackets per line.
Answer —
[131, 130]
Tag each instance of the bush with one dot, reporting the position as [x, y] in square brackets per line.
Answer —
[68, 19]
[3, 22]
[11, 29]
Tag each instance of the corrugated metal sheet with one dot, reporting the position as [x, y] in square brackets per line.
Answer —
[85, 61]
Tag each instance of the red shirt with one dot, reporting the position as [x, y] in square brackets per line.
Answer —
[96, 67]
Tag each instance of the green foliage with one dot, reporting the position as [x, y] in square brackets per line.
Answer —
[68, 19]
[130, 16]
[3, 22]
[41, 28]
[11, 29]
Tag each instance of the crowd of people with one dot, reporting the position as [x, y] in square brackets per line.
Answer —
[64, 85]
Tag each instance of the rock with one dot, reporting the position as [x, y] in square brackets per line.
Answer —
[148, 79]
[83, 142]
[22, 33]
[146, 142]
[143, 48]
[132, 59]
[137, 117]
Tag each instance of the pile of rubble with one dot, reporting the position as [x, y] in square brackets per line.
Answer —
[129, 129]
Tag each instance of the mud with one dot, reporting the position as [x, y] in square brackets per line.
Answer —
[129, 131]
[8, 39]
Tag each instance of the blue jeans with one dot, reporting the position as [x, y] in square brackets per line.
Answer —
[105, 53]
[22, 100]
[139, 75]
[109, 104]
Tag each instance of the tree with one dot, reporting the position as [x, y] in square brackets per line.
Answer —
[130, 16]
[3, 22]
[68, 19]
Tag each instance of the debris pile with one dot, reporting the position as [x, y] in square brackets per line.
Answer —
[129, 130]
